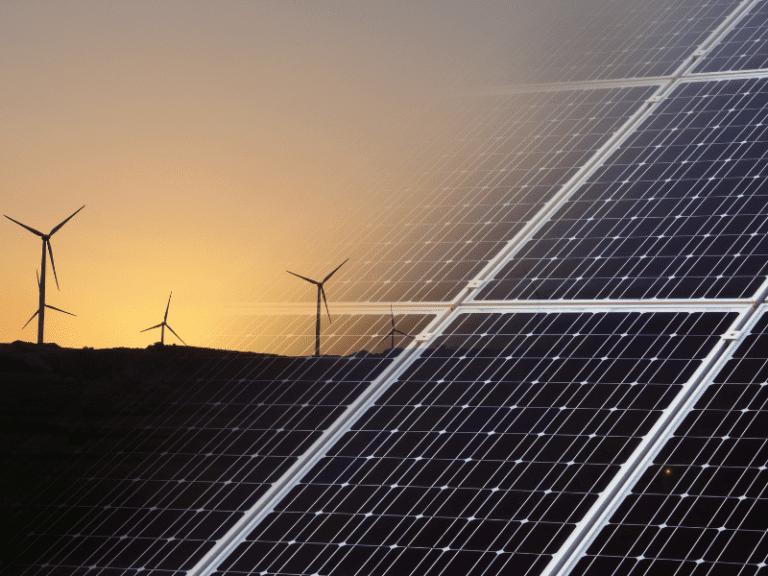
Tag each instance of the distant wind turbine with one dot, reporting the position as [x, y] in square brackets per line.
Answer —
[394, 331]
[41, 282]
[46, 305]
[320, 293]
[163, 325]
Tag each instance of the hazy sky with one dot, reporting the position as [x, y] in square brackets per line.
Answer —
[196, 131]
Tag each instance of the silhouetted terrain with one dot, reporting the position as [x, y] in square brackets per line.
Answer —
[54, 397]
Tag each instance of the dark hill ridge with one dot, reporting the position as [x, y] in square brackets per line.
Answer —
[50, 390]
[54, 390]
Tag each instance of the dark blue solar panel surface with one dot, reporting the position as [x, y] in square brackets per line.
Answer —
[484, 454]
[702, 506]
[680, 210]
[165, 466]
[745, 47]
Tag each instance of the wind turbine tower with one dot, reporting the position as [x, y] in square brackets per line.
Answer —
[46, 242]
[165, 324]
[47, 305]
[320, 293]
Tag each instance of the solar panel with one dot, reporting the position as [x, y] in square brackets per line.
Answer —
[625, 39]
[701, 507]
[175, 461]
[677, 211]
[745, 47]
[466, 197]
[484, 453]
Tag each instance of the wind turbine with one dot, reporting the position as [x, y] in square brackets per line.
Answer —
[46, 305]
[320, 292]
[46, 242]
[163, 325]
[394, 331]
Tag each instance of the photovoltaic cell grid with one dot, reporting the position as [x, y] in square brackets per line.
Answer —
[467, 197]
[484, 454]
[702, 506]
[745, 47]
[627, 39]
[678, 211]
[176, 462]
[295, 335]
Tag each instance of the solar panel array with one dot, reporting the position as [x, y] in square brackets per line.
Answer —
[613, 426]
[700, 506]
[482, 456]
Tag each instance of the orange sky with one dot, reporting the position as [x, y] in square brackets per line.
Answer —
[196, 132]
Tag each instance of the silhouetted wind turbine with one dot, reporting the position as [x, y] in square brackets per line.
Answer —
[164, 324]
[46, 305]
[320, 292]
[394, 331]
[46, 242]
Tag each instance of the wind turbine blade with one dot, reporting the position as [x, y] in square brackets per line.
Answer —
[53, 265]
[404, 334]
[177, 336]
[166, 308]
[153, 327]
[304, 278]
[59, 310]
[65, 221]
[38, 279]
[334, 272]
[325, 301]
[392, 313]
[30, 320]
[25, 226]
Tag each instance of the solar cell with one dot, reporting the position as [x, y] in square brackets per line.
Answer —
[701, 507]
[482, 456]
[745, 47]
[466, 196]
[625, 39]
[172, 462]
[677, 211]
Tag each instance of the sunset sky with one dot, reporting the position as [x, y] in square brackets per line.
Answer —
[198, 132]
